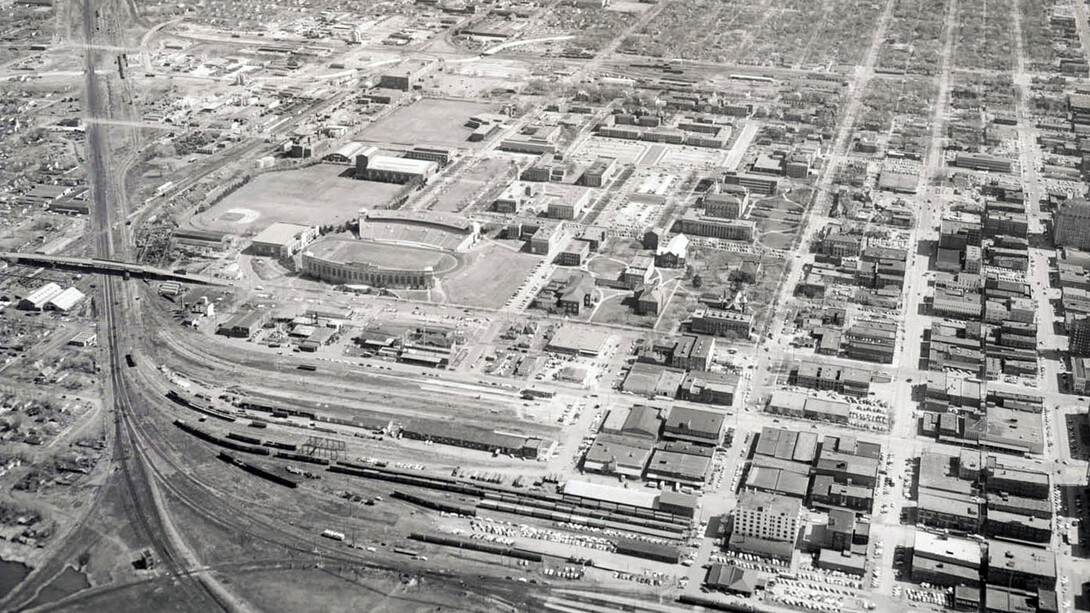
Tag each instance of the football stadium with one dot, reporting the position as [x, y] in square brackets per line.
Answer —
[364, 262]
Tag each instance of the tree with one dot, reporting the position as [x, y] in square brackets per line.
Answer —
[697, 281]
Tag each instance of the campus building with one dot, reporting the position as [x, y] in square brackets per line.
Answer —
[716, 227]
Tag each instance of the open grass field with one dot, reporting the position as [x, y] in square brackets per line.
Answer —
[316, 195]
[618, 310]
[489, 278]
[605, 267]
[430, 121]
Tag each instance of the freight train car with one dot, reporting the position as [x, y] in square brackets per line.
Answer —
[258, 471]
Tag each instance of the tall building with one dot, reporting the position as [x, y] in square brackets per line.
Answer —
[1071, 224]
[767, 516]
[1079, 336]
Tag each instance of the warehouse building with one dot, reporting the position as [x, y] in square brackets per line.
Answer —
[406, 76]
[1020, 566]
[618, 454]
[243, 324]
[693, 425]
[66, 300]
[459, 435]
[283, 240]
[38, 299]
[345, 154]
[370, 166]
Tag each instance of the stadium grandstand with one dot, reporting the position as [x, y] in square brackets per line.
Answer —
[435, 230]
[380, 265]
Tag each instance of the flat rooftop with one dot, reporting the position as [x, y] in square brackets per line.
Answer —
[390, 163]
[280, 233]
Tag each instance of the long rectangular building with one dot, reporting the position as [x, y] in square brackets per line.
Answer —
[716, 227]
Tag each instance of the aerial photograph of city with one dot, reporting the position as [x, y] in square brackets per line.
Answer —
[567, 306]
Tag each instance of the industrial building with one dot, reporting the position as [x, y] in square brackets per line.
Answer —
[243, 324]
[39, 298]
[283, 240]
[406, 76]
[370, 166]
[51, 297]
[346, 154]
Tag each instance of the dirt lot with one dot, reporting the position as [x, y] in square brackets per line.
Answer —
[490, 276]
[328, 590]
[473, 185]
[430, 121]
[316, 195]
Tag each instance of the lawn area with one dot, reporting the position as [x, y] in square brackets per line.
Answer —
[605, 267]
[431, 121]
[619, 310]
[489, 277]
[316, 195]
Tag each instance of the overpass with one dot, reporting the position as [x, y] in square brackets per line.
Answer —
[108, 267]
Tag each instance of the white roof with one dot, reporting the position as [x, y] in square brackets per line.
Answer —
[280, 233]
[951, 547]
[350, 149]
[396, 164]
[66, 299]
[636, 497]
[677, 245]
[43, 294]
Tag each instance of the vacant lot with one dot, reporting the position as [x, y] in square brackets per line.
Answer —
[316, 195]
[489, 278]
[473, 185]
[430, 121]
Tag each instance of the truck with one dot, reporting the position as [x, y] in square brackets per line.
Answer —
[333, 534]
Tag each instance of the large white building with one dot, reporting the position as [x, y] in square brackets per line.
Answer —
[38, 299]
[767, 516]
[371, 166]
[282, 240]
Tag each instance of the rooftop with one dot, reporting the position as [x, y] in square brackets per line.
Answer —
[390, 163]
[636, 497]
[281, 233]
